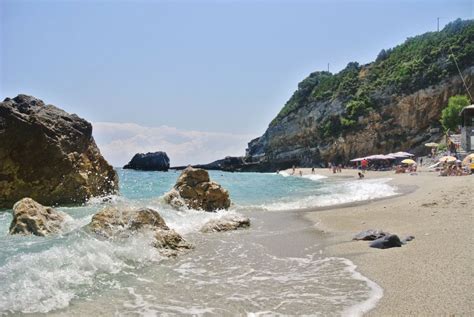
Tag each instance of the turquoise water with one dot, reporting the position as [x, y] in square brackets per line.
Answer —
[276, 266]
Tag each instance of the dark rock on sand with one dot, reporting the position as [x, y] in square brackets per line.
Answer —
[112, 222]
[370, 235]
[387, 242]
[157, 161]
[195, 190]
[30, 217]
[226, 223]
[49, 155]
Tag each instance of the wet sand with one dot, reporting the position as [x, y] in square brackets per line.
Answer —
[431, 275]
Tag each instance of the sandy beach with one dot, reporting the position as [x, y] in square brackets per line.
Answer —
[431, 275]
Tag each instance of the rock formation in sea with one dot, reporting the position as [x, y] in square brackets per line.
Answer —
[112, 222]
[30, 217]
[49, 155]
[195, 190]
[226, 223]
[156, 161]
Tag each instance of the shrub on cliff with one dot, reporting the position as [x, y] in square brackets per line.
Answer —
[450, 118]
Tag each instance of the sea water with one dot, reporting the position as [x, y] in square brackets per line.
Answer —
[277, 266]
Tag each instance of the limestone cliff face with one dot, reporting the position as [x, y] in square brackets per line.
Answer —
[398, 122]
[49, 155]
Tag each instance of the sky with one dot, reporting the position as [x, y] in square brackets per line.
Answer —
[197, 79]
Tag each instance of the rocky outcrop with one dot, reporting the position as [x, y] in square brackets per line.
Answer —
[195, 190]
[403, 122]
[156, 161]
[392, 104]
[227, 164]
[226, 223]
[30, 217]
[112, 222]
[49, 155]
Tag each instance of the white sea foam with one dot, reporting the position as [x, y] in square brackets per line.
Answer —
[335, 194]
[376, 293]
[49, 279]
[284, 173]
[314, 177]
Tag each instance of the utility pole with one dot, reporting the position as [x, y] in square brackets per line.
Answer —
[438, 22]
[328, 67]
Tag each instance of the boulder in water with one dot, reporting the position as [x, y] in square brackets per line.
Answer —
[170, 243]
[30, 217]
[49, 155]
[157, 161]
[113, 222]
[226, 223]
[195, 190]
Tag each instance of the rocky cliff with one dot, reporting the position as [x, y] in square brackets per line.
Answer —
[389, 105]
[49, 155]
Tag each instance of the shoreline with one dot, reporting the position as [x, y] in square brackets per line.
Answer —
[431, 275]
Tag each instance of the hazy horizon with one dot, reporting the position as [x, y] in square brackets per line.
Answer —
[195, 79]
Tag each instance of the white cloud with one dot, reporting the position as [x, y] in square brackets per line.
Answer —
[118, 142]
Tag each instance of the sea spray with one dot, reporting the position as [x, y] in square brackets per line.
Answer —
[276, 266]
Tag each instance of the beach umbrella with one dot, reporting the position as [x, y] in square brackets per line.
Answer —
[358, 159]
[401, 154]
[468, 159]
[408, 161]
[431, 144]
[448, 159]
[376, 157]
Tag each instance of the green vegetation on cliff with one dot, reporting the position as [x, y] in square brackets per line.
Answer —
[450, 118]
[418, 63]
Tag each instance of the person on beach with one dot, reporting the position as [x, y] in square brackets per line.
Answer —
[361, 176]
[312, 171]
[363, 165]
[339, 168]
[294, 168]
[301, 173]
[421, 161]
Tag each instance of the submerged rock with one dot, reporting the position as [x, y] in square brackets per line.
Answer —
[30, 217]
[226, 223]
[170, 243]
[370, 235]
[195, 190]
[387, 242]
[113, 222]
[49, 155]
[157, 161]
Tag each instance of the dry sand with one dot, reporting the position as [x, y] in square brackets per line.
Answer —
[432, 275]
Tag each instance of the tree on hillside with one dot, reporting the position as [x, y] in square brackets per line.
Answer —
[450, 118]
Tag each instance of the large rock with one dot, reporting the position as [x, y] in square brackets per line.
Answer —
[157, 161]
[226, 223]
[30, 217]
[112, 222]
[195, 190]
[49, 155]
